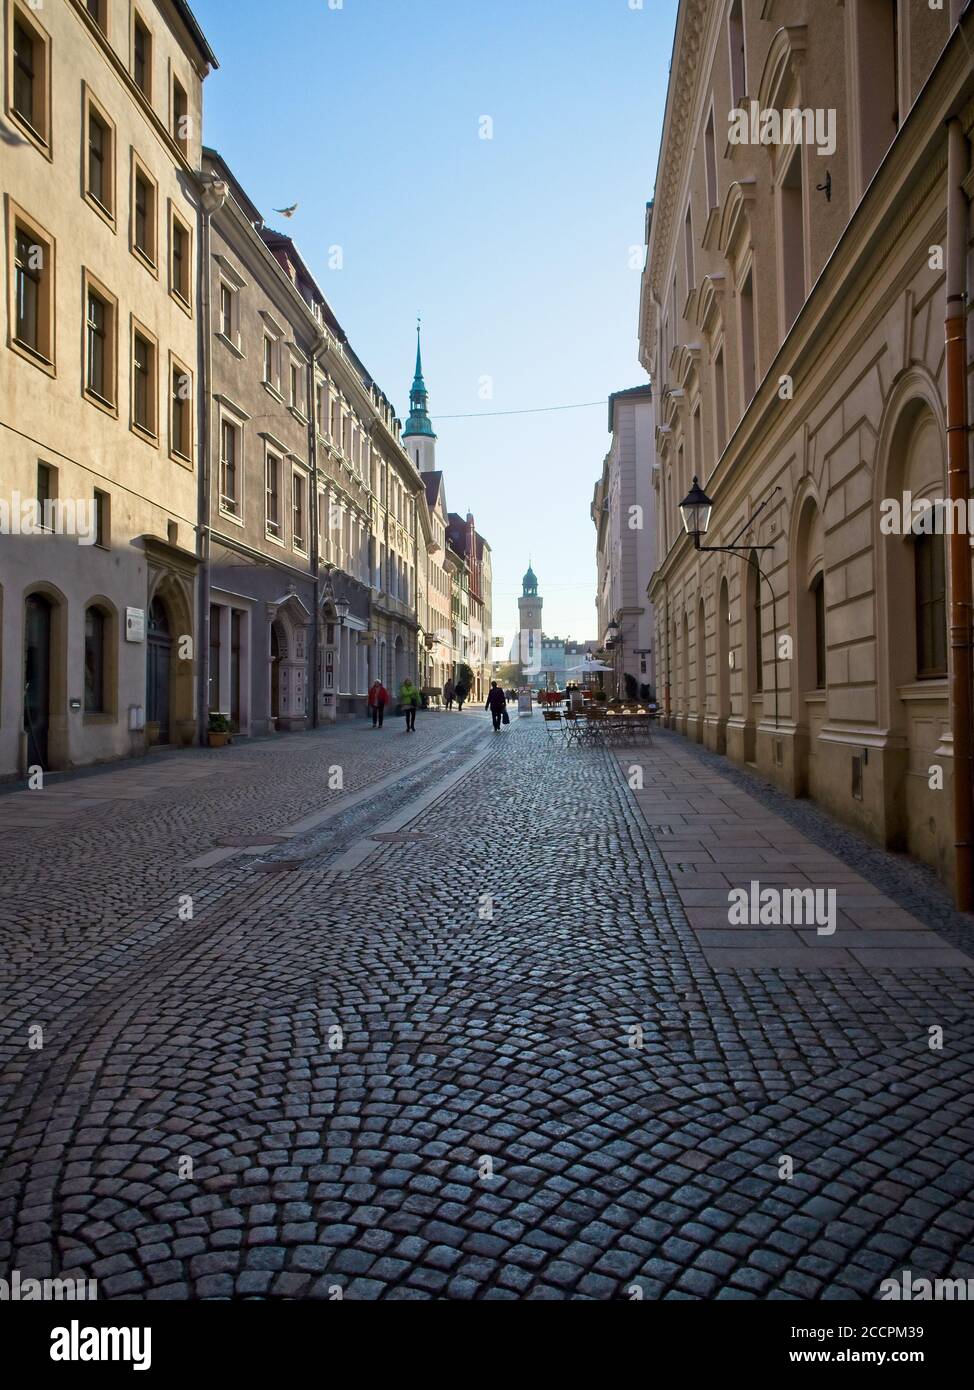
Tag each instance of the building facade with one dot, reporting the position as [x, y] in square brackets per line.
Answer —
[624, 514]
[98, 380]
[792, 320]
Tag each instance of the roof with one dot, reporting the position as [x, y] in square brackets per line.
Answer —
[630, 393]
[195, 32]
[433, 482]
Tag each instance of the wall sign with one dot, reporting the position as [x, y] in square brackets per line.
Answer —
[135, 624]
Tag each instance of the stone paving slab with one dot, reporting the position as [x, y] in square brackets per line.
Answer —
[544, 1086]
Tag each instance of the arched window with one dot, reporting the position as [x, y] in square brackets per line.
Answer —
[930, 597]
[95, 661]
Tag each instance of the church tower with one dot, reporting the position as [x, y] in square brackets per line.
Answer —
[529, 625]
[418, 438]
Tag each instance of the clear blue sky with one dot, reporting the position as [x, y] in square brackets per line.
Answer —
[515, 250]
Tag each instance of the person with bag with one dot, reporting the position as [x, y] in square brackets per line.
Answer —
[409, 698]
[449, 694]
[378, 699]
[497, 704]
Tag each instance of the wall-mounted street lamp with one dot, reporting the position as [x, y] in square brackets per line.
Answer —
[696, 509]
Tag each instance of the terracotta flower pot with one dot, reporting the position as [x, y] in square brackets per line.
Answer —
[217, 738]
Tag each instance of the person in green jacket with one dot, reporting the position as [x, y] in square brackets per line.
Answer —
[410, 699]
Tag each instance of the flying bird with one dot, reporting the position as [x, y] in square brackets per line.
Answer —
[287, 212]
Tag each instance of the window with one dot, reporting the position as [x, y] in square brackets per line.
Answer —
[298, 512]
[143, 383]
[94, 661]
[180, 410]
[46, 494]
[738, 57]
[101, 177]
[97, 10]
[271, 361]
[720, 401]
[748, 352]
[180, 268]
[226, 310]
[273, 495]
[293, 385]
[33, 286]
[878, 113]
[818, 597]
[702, 471]
[229, 456]
[180, 115]
[930, 585]
[688, 244]
[102, 504]
[99, 346]
[793, 240]
[30, 87]
[142, 58]
[710, 161]
[143, 214]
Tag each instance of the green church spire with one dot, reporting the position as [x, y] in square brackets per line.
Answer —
[419, 421]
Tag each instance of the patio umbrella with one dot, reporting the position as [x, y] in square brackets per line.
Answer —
[587, 666]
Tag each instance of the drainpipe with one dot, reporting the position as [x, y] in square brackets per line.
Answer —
[958, 544]
[214, 194]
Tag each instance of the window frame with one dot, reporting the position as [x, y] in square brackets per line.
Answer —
[185, 301]
[44, 354]
[935, 544]
[102, 19]
[226, 420]
[103, 518]
[138, 21]
[108, 403]
[150, 262]
[107, 211]
[149, 434]
[39, 135]
[300, 487]
[272, 455]
[181, 142]
[817, 590]
[176, 365]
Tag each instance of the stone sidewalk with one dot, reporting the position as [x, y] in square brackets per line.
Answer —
[715, 836]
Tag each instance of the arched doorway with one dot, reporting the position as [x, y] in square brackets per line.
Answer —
[158, 673]
[723, 666]
[38, 632]
[808, 669]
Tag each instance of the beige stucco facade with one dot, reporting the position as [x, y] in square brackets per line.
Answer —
[792, 318]
[100, 195]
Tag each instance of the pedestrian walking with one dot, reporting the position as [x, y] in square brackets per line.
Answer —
[378, 699]
[409, 698]
[497, 704]
[461, 692]
[449, 694]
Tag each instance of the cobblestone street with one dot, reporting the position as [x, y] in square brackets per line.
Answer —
[472, 1025]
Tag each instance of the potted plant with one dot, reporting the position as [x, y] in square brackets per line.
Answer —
[218, 731]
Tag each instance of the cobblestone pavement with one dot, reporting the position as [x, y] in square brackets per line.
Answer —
[486, 1055]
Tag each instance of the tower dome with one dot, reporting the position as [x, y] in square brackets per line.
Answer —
[529, 584]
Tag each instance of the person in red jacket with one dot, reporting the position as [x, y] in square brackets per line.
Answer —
[497, 704]
[378, 699]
